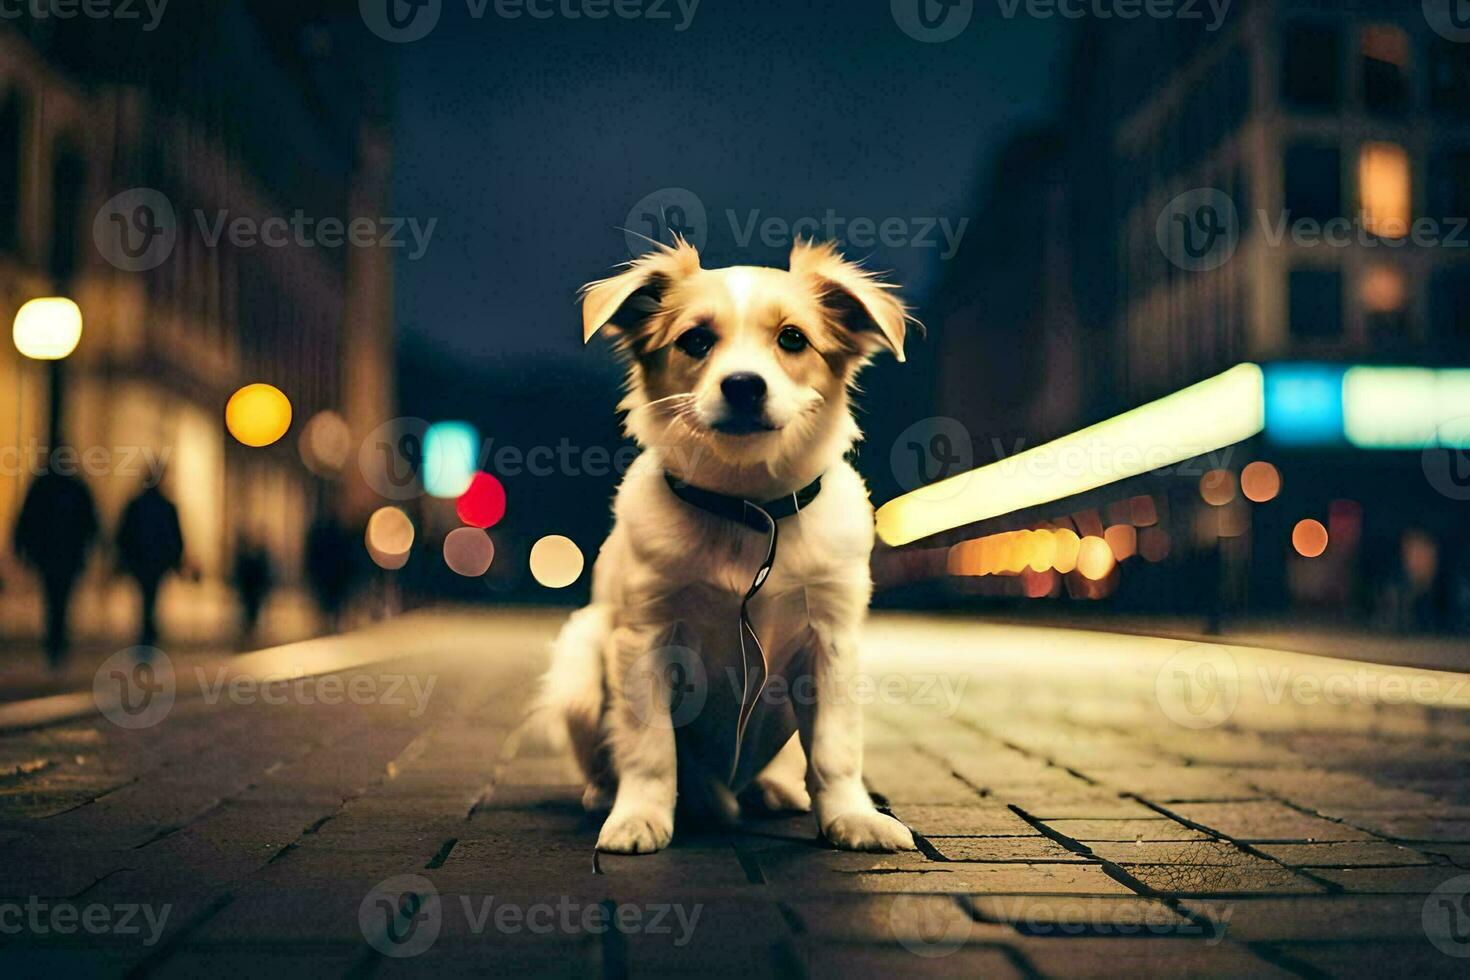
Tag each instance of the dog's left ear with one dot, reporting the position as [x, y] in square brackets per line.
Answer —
[628, 299]
[858, 300]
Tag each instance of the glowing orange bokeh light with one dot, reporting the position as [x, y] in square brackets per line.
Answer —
[1260, 482]
[1309, 538]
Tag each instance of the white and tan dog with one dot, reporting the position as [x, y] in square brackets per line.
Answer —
[738, 386]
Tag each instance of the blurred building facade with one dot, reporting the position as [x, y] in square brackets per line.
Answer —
[1293, 115]
[236, 111]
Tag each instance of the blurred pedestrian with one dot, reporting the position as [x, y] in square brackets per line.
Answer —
[56, 528]
[254, 577]
[329, 566]
[150, 544]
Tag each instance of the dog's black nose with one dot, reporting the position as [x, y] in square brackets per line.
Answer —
[745, 391]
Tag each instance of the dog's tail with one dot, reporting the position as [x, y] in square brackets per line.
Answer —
[568, 707]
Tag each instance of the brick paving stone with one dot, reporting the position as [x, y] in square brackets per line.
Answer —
[1407, 881]
[1265, 820]
[1372, 960]
[1097, 805]
[720, 937]
[1068, 916]
[890, 918]
[1315, 788]
[1453, 855]
[56, 871]
[1410, 827]
[975, 820]
[1024, 849]
[46, 960]
[514, 862]
[264, 915]
[1343, 855]
[310, 867]
[1341, 917]
[1011, 879]
[1113, 957]
[844, 962]
[681, 867]
[1253, 877]
[550, 957]
[790, 863]
[1169, 784]
[906, 777]
[1153, 829]
[1200, 853]
[257, 959]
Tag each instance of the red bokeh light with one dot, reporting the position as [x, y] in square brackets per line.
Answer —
[483, 504]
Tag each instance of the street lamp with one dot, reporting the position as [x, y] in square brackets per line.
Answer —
[49, 329]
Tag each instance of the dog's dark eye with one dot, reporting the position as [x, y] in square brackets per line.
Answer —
[696, 341]
[791, 339]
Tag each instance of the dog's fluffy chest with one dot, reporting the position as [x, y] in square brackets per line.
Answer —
[663, 547]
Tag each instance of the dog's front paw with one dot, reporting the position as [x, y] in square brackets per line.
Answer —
[635, 833]
[868, 830]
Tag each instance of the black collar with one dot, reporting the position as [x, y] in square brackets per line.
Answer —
[743, 511]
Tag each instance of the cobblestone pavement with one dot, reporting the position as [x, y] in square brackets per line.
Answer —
[1086, 804]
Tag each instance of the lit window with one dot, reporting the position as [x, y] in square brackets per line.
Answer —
[1383, 290]
[1384, 187]
[1384, 295]
[1385, 68]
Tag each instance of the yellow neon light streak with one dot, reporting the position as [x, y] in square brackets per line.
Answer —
[1202, 418]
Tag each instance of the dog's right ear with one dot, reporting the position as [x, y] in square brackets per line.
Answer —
[628, 299]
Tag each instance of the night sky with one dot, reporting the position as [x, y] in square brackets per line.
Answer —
[531, 140]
